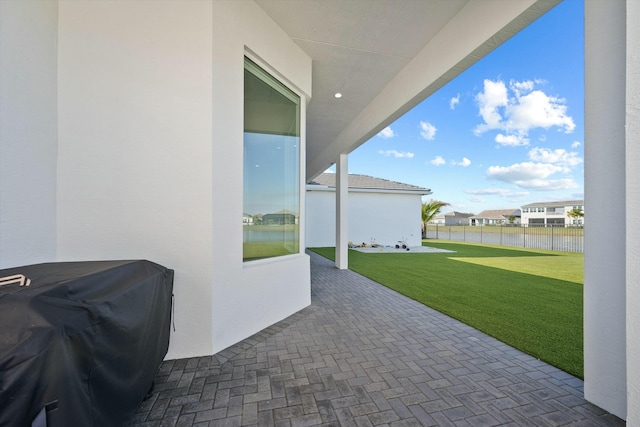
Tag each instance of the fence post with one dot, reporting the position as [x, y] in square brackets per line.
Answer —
[552, 227]
[481, 234]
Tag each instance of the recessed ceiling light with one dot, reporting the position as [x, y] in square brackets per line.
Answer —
[337, 95]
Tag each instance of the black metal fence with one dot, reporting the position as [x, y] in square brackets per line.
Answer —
[559, 238]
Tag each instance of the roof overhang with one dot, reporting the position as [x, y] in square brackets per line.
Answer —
[386, 56]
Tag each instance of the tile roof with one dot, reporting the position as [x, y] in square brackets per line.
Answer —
[497, 213]
[456, 214]
[368, 182]
[556, 204]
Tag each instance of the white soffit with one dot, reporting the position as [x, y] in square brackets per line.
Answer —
[385, 56]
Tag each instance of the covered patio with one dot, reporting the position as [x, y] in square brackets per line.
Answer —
[364, 355]
[122, 137]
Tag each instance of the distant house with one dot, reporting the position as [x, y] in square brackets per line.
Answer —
[379, 209]
[279, 218]
[451, 218]
[496, 217]
[457, 218]
[552, 213]
[437, 220]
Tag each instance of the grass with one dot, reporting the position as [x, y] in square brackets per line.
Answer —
[529, 299]
[258, 250]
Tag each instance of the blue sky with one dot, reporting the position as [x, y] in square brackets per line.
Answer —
[506, 132]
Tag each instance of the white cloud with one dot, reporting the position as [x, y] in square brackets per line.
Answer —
[438, 160]
[490, 101]
[548, 184]
[497, 192]
[476, 200]
[464, 162]
[428, 131]
[396, 154]
[386, 133]
[520, 88]
[559, 157]
[532, 176]
[511, 140]
[576, 144]
[518, 113]
[454, 101]
[522, 171]
[488, 192]
[537, 109]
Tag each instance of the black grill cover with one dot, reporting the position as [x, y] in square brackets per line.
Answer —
[84, 340]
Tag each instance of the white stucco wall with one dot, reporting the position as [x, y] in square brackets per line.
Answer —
[248, 297]
[150, 155]
[385, 217]
[134, 171]
[28, 131]
[321, 219]
[632, 208]
[605, 261]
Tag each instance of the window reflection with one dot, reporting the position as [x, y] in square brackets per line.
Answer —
[271, 166]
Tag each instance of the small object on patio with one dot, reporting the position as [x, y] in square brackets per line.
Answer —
[402, 244]
[373, 243]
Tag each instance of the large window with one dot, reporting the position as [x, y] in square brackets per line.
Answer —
[271, 166]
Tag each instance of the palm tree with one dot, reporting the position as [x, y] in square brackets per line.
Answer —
[575, 213]
[429, 211]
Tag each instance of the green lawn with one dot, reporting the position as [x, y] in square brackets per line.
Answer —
[529, 299]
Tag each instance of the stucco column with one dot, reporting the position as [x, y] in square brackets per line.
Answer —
[605, 363]
[342, 190]
[633, 207]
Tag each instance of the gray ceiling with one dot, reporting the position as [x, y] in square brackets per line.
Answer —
[361, 47]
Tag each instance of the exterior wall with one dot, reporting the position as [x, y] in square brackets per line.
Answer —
[454, 220]
[489, 221]
[247, 297]
[150, 156]
[549, 217]
[385, 217]
[134, 171]
[605, 281]
[633, 206]
[439, 220]
[28, 131]
[321, 219]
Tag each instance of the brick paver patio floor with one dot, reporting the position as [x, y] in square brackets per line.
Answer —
[364, 355]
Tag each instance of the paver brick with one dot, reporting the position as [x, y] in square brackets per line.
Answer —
[364, 355]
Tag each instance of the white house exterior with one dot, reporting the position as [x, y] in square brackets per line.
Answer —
[129, 118]
[437, 220]
[457, 218]
[552, 213]
[379, 210]
[121, 136]
[496, 217]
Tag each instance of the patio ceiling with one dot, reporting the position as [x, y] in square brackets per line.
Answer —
[385, 56]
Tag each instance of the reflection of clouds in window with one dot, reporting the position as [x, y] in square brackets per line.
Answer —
[276, 160]
[271, 187]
